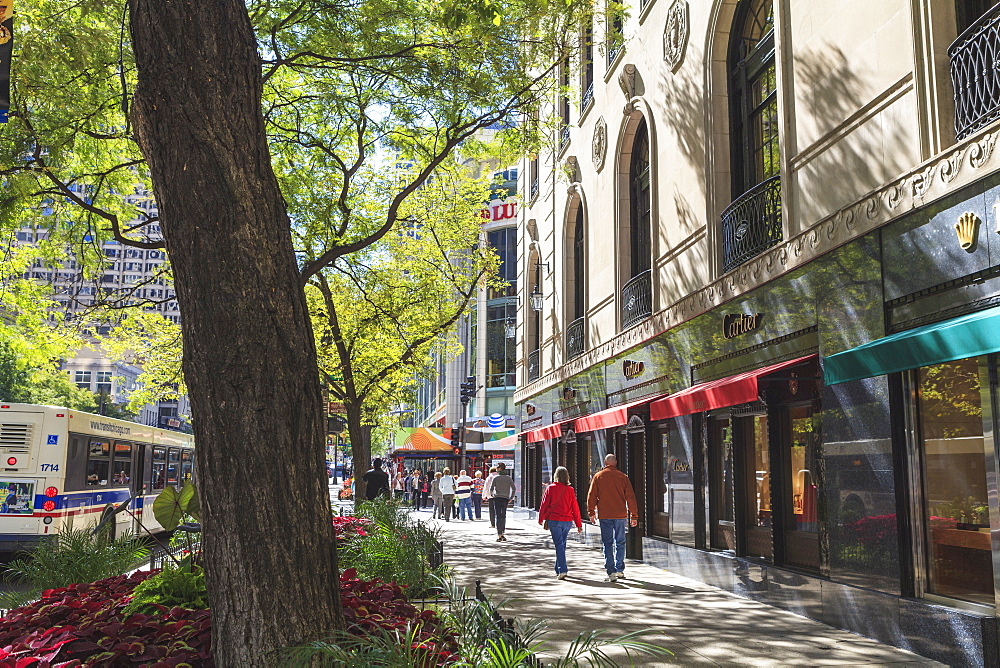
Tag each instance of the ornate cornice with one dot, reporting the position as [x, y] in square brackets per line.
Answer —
[939, 177]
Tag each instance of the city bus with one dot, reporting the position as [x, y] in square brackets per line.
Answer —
[65, 469]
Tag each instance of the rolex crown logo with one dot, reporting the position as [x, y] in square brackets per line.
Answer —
[967, 229]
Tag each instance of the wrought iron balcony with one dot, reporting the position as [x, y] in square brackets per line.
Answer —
[564, 136]
[975, 74]
[588, 98]
[613, 51]
[752, 223]
[534, 367]
[637, 299]
[576, 341]
[534, 190]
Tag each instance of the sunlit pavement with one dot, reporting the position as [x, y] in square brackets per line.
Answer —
[701, 624]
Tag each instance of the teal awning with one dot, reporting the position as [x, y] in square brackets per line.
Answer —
[965, 336]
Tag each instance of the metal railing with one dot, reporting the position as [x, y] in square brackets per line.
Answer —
[588, 98]
[613, 51]
[975, 74]
[637, 299]
[564, 136]
[534, 366]
[576, 342]
[752, 223]
[534, 190]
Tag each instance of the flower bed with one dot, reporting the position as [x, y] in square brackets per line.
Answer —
[84, 625]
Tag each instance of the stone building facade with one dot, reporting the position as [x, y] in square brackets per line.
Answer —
[761, 264]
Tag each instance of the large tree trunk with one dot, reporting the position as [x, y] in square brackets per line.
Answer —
[249, 357]
[361, 446]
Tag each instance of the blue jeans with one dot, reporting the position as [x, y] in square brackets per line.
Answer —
[613, 538]
[560, 530]
[465, 506]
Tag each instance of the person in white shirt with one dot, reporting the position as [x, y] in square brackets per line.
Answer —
[486, 495]
[463, 492]
[447, 486]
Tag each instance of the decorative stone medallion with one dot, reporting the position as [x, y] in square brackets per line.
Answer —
[600, 145]
[675, 34]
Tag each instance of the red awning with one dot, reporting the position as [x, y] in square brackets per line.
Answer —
[544, 433]
[738, 389]
[609, 417]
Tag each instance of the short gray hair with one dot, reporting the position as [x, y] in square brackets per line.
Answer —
[610, 458]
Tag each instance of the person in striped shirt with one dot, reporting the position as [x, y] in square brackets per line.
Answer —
[463, 492]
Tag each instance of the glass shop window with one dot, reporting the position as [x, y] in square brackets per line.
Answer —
[956, 511]
[122, 467]
[803, 469]
[762, 469]
[159, 468]
[98, 463]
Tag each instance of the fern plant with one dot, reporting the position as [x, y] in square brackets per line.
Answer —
[71, 557]
[181, 587]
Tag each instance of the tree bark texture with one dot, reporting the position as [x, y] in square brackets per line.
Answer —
[249, 356]
[361, 446]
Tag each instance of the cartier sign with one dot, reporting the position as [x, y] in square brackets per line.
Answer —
[735, 325]
[631, 368]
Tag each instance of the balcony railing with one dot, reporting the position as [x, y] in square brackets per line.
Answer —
[613, 51]
[752, 223]
[637, 299]
[576, 342]
[564, 136]
[975, 74]
[534, 368]
[534, 190]
[588, 98]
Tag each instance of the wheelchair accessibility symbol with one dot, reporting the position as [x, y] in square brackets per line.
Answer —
[53, 439]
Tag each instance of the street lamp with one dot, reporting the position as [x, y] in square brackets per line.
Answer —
[509, 328]
[537, 299]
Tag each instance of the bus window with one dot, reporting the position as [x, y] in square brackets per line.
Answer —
[98, 463]
[173, 459]
[187, 466]
[121, 467]
[159, 468]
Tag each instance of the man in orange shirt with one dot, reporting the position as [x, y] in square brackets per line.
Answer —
[612, 499]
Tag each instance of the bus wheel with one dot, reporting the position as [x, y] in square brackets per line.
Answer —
[110, 528]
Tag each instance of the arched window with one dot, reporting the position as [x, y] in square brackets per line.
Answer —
[637, 293]
[639, 202]
[753, 222]
[577, 309]
[579, 266]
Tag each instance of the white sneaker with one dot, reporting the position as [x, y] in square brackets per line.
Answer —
[560, 576]
[621, 575]
[612, 577]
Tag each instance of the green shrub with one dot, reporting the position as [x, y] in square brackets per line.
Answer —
[71, 557]
[397, 551]
[172, 587]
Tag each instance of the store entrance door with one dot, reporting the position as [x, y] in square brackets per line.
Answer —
[632, 462]
[721, 488]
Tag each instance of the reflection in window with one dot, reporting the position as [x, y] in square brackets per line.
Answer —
[122, 471]
[98, 463]
[762, 471]
[159, 468]
[500, 349]
[504, 242]
[803, 469]
[957, 515]
[187, 466]
[173, 459]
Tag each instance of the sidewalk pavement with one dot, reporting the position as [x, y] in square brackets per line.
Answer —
[700, 624]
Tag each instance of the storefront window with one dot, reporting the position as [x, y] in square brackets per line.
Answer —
[762, 469]
[803, 469]
[955, 496]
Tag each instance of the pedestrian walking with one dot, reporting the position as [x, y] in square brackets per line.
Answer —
[413, 486]
[487, 497]
[501, 491]
[376, 481]
[463, 493]
[399, 487]
[612, 499]
[423, 487]
[447, 486]
[477, 494]
[558, 513]
[435, 486]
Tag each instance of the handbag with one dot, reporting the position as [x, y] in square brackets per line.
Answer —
[545, 524]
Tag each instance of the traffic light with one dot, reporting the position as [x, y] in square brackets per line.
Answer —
[456, 450]
[456, 445]
[468, 389]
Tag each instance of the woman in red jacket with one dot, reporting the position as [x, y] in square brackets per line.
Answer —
[561, 511]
